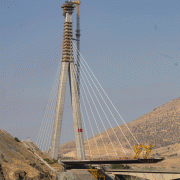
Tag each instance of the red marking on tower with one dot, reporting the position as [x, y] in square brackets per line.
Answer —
[80, 130]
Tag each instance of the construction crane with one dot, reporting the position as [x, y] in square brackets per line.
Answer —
[137, 151]
[147, 151]
[77, 3]
[142, 151]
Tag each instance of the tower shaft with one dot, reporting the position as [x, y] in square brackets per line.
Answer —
[67, 67]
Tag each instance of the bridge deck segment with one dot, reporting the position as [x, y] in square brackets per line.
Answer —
[152, 175]
[142, 171]
[119, 161]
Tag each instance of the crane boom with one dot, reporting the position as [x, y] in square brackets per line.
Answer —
[77, 2]
[78, 46]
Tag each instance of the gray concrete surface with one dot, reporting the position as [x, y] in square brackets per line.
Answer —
[68, 176]
[59, 110]
[67, 67]
[76, 114]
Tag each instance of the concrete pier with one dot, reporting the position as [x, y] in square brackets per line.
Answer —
[76, 114]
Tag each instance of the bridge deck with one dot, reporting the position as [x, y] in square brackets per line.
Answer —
[141, 171]
[119, 161]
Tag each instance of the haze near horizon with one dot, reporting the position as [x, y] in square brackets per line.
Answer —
[131, 46]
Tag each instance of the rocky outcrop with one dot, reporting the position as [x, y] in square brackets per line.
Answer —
[19, 162]
[1, 173]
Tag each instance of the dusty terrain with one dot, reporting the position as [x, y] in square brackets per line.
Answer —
[171, 154]
[19, 162]
[160, 127]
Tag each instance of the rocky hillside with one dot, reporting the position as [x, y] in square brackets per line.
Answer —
[19, 162]
[160, 127]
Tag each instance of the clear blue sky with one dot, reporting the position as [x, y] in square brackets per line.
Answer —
[132, 47]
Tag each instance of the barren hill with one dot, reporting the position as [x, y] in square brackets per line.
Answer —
[160, 127]
[19, 162]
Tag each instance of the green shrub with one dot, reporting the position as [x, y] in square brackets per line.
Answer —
[16, 139]
[173, 155]
[55, 161]
[119, 166]
[49, 161]
[29, 149]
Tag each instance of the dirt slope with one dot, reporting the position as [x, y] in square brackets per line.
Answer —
[160, 127]
[18, 162]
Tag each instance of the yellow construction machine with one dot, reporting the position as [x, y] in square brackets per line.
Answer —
[142, 151]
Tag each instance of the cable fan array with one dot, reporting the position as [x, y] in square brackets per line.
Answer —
[99, 116]
[95, 102]
[44, 136]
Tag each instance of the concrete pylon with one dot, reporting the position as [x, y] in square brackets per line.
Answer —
[67, 68]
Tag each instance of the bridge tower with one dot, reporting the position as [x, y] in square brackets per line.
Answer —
[68, 69]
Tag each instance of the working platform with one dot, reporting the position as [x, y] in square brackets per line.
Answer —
[119, 161]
